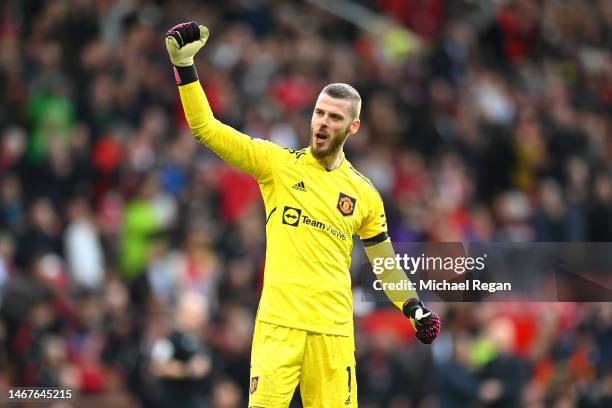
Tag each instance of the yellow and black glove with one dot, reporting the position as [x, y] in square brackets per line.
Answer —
[183, 41]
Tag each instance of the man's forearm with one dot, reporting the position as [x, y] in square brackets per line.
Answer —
[232, 146]
[198, 112]
[425, 322]
[392, 275]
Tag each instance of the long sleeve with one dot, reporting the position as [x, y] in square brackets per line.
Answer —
[390, 275]
[377, 244]
[253, 156]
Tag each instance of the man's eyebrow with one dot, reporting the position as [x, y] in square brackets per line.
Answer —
[332, 114]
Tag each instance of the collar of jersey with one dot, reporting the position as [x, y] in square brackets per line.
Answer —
[311, 160]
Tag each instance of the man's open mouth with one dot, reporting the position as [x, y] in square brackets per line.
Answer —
[320, 137]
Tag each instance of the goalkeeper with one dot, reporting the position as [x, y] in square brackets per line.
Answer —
[315, 202]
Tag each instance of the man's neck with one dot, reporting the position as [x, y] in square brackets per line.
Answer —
[332, 161]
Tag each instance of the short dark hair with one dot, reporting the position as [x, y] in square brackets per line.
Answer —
[345, 91]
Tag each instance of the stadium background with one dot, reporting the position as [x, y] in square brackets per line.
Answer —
[482, 120]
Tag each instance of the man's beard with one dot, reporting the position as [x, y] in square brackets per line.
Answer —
[335, 144]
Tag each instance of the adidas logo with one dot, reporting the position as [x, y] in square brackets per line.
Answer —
[300, 186]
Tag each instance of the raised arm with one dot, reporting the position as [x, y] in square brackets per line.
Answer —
[253, 156]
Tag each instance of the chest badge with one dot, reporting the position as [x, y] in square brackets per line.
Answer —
[346, 204]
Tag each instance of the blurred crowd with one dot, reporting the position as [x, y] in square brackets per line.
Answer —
[131, 258]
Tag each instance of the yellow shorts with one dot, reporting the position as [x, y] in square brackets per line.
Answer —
[323, 365]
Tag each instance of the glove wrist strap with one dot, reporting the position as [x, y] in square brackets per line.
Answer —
[409, 305]
[185, 75]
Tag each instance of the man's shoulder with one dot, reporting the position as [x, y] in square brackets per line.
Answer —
[296, 153]
[280, 151]
[275, 153]
[367, 185]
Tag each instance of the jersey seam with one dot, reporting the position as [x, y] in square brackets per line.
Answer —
[270, 215]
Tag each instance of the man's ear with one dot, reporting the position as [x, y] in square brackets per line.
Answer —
[355, 126]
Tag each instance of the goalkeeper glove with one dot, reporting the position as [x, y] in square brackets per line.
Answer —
[183, 41]
[425, 322]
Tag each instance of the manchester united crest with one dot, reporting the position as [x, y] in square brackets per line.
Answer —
[254, 382]
[346, 204]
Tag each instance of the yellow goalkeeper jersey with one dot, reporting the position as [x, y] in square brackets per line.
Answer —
[311, 217]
